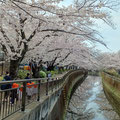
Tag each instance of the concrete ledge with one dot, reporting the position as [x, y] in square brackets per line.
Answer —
[37, 110]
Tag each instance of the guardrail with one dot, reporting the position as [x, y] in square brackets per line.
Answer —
[29, 90]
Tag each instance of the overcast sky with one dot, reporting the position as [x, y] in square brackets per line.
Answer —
[110, 36]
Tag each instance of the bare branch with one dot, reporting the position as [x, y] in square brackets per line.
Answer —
[34, 32]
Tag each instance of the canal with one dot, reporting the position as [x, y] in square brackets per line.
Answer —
[90, 103]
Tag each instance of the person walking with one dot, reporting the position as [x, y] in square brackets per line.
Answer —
[33, 66]
[14, 93]
[7, 86]
[28, 77]
[29, 87]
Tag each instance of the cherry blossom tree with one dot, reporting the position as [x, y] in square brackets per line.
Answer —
[108, 60]
[63, 51]
[24, 25]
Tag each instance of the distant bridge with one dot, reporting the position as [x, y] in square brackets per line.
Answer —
[45, 99]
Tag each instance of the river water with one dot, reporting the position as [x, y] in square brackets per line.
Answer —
[90, 103]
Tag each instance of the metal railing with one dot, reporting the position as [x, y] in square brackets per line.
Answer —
[17, 97]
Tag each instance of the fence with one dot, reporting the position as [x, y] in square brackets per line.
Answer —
[23, 92]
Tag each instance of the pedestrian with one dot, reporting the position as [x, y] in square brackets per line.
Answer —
[7, 86]
[34, 68]
[14, 93]
[28, 77]
[29, 87]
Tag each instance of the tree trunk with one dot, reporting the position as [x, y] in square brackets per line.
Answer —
[50, 68]
[14, 65]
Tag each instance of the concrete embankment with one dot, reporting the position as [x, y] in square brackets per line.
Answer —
[111, 86]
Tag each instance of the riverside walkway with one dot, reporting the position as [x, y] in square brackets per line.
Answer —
[46, 98]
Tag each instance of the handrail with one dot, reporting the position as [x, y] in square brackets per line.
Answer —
[27, 80]
[12, 99]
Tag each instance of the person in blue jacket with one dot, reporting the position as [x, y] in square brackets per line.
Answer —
[6, 86]
[28, 77]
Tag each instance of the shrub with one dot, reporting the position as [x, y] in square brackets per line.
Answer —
[22, 74]
[54, 72]
[1, 78]
[42, 74]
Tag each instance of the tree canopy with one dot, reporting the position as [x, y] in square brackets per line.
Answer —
[43, 27]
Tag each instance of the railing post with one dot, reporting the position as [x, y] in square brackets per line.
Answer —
[47, 86]
[56, 83]
[39, 82]
[52, 84]
[23, 96]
